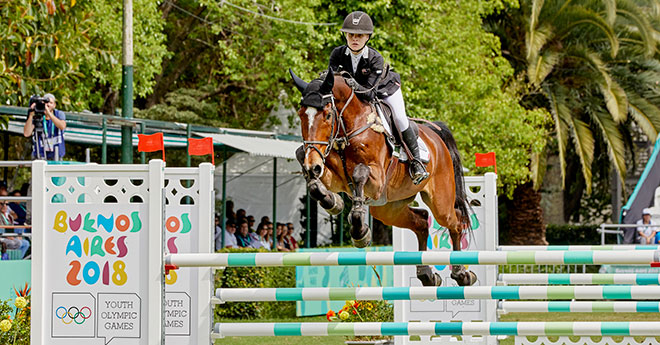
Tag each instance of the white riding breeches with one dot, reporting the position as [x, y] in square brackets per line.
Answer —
[399, 109]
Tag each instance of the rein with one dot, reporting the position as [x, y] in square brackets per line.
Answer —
[337, 141]
[338, 127]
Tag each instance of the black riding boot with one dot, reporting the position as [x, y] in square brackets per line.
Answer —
[417, 170]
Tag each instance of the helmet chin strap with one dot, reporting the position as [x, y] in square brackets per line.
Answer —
[359, 50]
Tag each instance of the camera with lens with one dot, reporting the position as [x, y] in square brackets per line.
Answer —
[39, 108]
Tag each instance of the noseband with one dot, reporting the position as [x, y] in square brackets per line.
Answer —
[337, 127]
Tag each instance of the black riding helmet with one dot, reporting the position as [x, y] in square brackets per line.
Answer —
[358, 22]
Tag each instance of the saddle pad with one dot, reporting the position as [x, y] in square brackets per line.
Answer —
[423, 149]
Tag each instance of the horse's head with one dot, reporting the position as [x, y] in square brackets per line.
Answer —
[318, 120]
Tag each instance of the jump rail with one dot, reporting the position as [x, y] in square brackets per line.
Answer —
[580, 278]
[583, 247]
[642, 257]
[437, 293]
[580, 307]
[648, 329]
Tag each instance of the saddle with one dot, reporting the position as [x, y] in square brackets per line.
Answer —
[393, 137]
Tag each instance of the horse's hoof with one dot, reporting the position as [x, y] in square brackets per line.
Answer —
[365, 241]
[428, 277]
[464, 278]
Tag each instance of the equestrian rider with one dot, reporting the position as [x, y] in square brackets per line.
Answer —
[366, 66]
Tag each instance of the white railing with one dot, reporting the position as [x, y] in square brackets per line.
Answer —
[615, 229]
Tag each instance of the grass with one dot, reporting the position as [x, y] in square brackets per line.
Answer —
[336, 340]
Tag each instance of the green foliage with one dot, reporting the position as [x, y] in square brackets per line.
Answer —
[18, 320]
[185, 106]
[364, 311]
[254, 277]
[572, 234]
[452, 69]
[588, 64]
[73, 50]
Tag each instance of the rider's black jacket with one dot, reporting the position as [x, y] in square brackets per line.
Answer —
[368, 71]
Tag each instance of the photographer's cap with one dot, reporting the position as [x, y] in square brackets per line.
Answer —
[646, 211]
[50, 97]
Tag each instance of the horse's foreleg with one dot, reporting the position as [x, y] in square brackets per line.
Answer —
[458, 272]
[360, 232]
[331, 202]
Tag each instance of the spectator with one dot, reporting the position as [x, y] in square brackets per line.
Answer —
[281, 243]
[20, 211]
[269, 234]
[3, 251]
[53, 123]
[16, 242]
[259, 238]
[240, 215]
[646, 233]
[265, 239]
[243, 236]
[218, 233]
[229, 214]
[230, 237]
[289, 237]
[6, 216]
[251, 221]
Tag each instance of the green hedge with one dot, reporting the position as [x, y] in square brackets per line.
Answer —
[254, 277]
[572, 234]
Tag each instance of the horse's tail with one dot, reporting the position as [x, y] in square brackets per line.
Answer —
[461, 203]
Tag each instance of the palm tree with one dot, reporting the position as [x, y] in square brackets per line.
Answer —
[592, 65]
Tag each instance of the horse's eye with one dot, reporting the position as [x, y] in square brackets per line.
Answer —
[328, 114]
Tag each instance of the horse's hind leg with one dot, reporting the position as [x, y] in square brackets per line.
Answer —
[360, 232]
[448, 217]
[401, 215]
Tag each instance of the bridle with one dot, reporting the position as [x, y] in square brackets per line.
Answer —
[336, 139]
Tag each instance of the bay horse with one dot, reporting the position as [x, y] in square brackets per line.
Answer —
[344, 150]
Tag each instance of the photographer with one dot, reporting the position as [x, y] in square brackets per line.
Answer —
[45, 125]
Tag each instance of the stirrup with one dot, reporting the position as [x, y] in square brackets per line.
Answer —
[417, 178]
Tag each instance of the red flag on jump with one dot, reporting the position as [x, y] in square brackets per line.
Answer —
[200, 147]
[485, 160]
[151, 143]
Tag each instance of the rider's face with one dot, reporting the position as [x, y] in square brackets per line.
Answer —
[356, 41]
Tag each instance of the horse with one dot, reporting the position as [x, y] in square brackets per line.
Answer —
[345, 150]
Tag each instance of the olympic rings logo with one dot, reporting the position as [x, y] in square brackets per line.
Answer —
[73, 314]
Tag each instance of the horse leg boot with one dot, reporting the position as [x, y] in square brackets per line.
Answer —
[462, 276]
[418, 172]
[360, 232]
[331, 202]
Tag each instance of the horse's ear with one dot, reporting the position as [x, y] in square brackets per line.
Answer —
[328, 82]
[300, 84]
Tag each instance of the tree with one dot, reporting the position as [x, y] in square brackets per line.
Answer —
[590, 64]
[73, 50]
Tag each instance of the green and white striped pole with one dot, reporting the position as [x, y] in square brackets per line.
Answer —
[438, 293]
[647, 329]
[641, 257]
[580, 278]
[580, 307]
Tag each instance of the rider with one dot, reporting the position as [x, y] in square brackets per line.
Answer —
[366, 65]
